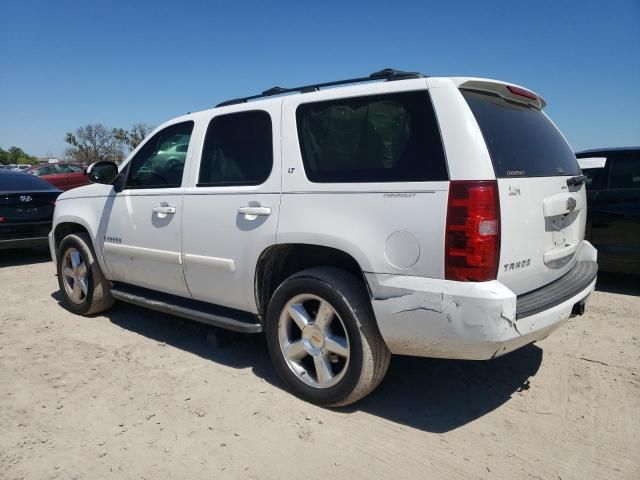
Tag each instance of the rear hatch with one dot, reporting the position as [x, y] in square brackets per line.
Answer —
[26, 205]
[542, 196]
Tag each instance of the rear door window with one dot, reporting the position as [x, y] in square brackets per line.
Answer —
[238, 150]
[521, 140]
[378, 138]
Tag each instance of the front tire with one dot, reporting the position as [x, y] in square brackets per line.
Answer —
[84, 289]
[323, 338]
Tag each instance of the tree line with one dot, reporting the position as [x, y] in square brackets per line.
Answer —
[16, 155]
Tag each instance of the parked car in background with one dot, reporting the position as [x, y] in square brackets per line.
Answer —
[613, 199]
[21, 168]
[26, 209]
[65, 176]
[438, 217]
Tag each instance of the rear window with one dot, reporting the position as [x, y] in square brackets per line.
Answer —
[378, 138]
[22, 182]
[521, 140]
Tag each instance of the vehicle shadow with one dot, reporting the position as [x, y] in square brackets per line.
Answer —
[428, 394]
[618, 283]
[438, 395]
[17, 257]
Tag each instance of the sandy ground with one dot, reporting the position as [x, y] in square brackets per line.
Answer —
[136, 394]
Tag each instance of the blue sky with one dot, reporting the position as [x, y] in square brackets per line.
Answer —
[65, 64]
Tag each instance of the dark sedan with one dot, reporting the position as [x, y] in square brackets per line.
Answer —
[613, 196]
[26, 209]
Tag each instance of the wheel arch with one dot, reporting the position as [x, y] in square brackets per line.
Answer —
[70, 224]
[278, 262]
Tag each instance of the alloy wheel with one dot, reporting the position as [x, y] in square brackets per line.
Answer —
[314, 341]
[75, 276]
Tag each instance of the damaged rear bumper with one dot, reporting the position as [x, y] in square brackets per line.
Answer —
[462, 320]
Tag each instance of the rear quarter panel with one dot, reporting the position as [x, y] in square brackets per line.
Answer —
[394, 227]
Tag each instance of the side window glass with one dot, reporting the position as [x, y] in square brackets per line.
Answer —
[238, 150]
[595, 178]
[378, 138]
[160, 162]
[47, 170]
[625, 172]
[69, 169]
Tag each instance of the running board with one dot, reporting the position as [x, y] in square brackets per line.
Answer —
[203, 312]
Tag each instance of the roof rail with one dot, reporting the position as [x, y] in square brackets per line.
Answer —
[387, 74]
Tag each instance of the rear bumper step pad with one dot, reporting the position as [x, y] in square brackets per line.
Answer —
[567, 286]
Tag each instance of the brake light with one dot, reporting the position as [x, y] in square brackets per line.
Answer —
[1, 219]
[472, 242]
[522, 92]
[52, 203]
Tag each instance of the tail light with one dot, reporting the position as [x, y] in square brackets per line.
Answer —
[472, 243]
[522, 92]
[52, 203]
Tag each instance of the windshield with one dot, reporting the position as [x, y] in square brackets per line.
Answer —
[522, 141]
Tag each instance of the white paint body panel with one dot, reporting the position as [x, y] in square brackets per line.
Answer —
[148, 251]
[592, 162]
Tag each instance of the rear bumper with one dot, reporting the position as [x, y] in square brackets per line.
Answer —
[475, 321]
[23, 243]
[24, 235]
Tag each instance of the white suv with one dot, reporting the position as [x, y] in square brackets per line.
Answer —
[439, 217]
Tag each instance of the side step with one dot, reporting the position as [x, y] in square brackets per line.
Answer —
[222, 317]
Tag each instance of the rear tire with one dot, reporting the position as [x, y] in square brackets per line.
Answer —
[84, 289]
[323, 337]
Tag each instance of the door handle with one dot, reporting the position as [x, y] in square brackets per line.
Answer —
[164, 210]
[255, 211]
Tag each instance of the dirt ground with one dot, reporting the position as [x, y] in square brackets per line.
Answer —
[137, 394]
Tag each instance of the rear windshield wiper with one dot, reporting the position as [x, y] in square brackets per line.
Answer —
[575, 181]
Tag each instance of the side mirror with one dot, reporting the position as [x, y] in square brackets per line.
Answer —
[102, 172]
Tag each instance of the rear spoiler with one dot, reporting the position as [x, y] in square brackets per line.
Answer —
[512, 93]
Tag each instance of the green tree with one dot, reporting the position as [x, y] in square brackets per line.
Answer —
[17, 156]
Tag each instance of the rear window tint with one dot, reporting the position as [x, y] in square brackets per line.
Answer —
[521, 139]
[378, 138]
[238, 150]
[19, 182]
[596, 178]
[625, 171]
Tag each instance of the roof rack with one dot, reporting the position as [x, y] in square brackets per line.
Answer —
[387, 74]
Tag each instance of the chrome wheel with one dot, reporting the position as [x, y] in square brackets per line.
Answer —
[314, 341]
[75, 276]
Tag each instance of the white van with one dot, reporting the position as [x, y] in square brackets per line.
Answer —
[439, 217]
